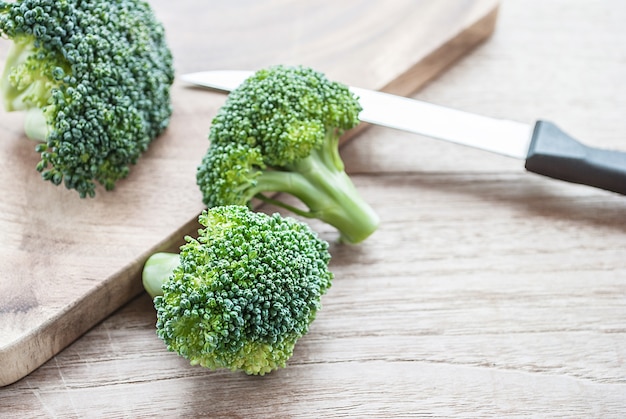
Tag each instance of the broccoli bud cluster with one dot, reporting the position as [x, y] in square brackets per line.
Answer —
[95, 78]
[244, 291]
[279, 131]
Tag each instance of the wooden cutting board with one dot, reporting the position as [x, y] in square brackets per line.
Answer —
[66, 263]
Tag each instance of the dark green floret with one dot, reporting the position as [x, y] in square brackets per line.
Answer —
[94, 79]
[279, 132]
[241, 294]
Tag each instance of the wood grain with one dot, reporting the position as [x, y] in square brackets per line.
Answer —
[68, 263]
[487, 292]
[440, 314]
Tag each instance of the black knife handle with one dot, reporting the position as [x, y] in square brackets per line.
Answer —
[555, 154]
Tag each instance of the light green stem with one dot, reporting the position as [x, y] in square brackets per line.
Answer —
[320, 182]
[158, 269]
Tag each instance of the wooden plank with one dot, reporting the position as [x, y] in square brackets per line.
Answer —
[68, 263]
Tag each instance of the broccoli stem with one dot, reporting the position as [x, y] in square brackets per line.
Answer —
[31, 98]
[11, 96]
[321, 183]
[23, 96]
[158, 269]
[36, 125]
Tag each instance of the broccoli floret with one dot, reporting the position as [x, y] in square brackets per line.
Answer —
[241, 294]
[94, 77]
[279, 131]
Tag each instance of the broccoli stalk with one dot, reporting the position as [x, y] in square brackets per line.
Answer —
[27, 88]
[321, 183]
[158, 268]
[279, 132]
[241, 294]
[94, 79]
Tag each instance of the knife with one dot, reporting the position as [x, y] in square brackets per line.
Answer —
[544, 147]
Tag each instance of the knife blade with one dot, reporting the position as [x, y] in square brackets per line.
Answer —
[545, 148]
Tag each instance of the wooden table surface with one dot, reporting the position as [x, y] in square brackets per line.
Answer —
[487, 291]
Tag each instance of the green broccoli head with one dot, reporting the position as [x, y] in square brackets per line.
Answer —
[242, 293]
[279, 132]
[94, 78]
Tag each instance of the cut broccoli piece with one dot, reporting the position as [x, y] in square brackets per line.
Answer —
[241, 294]
[279, 132]
[94, 77]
